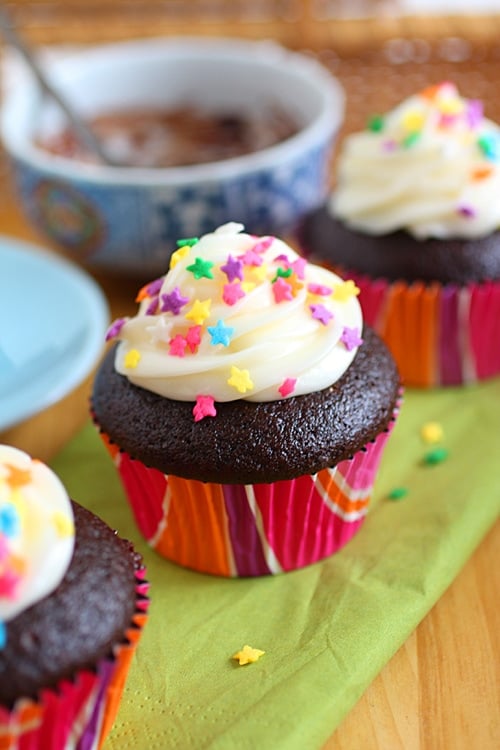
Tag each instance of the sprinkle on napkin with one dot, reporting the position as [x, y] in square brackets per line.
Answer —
[248, 655]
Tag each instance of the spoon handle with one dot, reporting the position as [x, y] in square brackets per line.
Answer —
[83, 131]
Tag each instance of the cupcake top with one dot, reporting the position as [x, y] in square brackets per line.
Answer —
[239, 317]
[430, 167]
[36, 533]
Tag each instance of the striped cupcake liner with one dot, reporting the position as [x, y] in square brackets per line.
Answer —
[439, 334]
[77, 714]
[250, 530]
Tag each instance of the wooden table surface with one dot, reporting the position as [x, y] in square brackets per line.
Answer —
[441, 690]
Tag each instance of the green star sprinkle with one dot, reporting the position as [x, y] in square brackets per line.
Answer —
[376, 124]
[411, 139]
[435, 456]
[201, 269]
[398, 493]
[189, 241]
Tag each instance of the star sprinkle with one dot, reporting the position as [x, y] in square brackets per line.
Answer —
[287, 387]
[193, 338]
[173, 301]
[350, 338]
[177, 346]
[320, 312]
[299, 267]
[187, 242]
[233, 268]
[248, 655]
[132, 359]
[115, 328]
[204, 407]
[9, 521]
[149, 290]
[398, 493]
[263, 244]
[199, 311]
[282, 291]
[431, 432]
[251, 258]
[240, 379]
[201, 269]
[179, 254]
[220, 333]
[320, 290]
[231, 293]
[345, 290]
[375, 123]
[435, 456]
[467, 212]
[488, 145]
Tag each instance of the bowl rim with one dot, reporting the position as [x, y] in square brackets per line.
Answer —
[268, 52]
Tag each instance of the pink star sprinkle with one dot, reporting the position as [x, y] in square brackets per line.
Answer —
[204, 407]
[231, 293]
[115, 328]
[193, 338]
[281, 290]
[9, 581]
[350, 338]
[287, 387]
[319, 289]
[251, 258]
[177, 346]
[263, 245]
[299, 266]
[319, 312]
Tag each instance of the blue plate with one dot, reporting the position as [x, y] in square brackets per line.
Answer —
[53, 319]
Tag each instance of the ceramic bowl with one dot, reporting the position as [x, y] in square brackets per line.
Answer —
[128, 219]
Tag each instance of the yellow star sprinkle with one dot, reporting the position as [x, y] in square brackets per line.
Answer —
[257, 273]
[240, 379]
[64, 525]
[132, 359]
[345, 290]
[247, 286]
[413, 121]
[199, 311]
[248, 655]
[432, 432]
[179, 255]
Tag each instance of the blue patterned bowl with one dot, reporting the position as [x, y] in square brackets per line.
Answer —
[128, 219]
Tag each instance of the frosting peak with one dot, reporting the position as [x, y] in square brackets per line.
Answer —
[36, 532]
[239, 316]
[430, 167]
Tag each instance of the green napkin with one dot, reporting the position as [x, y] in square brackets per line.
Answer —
[326, 630]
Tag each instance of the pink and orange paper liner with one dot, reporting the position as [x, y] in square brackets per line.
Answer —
[250, 530]
[78, 713]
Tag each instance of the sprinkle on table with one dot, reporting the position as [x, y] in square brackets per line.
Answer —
[248, 655]
[431, 432]
[398, 493]
[435, 456]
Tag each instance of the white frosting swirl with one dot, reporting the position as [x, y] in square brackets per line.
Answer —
[36, 531]
[268, 320]
[431, 167]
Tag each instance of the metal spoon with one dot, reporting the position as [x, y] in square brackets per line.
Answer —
[82, 129]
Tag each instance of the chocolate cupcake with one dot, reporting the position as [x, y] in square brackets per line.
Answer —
[415, 220]
[246, 407]
[72, 607]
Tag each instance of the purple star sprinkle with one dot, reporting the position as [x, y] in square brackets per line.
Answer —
[152, 307]
[468, 211]
[474, 113]
[173, 302]
[319, 312]
[233, 268]
[350, 338]
[115, 328]
[154, 287]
